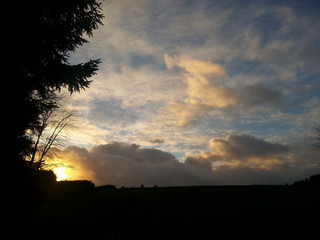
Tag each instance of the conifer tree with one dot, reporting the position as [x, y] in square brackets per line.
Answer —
[43, 34]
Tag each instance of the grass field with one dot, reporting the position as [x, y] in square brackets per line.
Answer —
[131, 213]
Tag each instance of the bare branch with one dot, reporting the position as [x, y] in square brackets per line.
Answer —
[52, 124]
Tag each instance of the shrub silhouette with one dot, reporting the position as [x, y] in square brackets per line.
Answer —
[106, 187]
[73, 187]
[33, 186]
[315, 179]
[312, 180]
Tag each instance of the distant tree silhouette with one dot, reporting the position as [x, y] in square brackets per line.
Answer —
[315, 179]
[43, 34]
[312, 180]
[73, 187]
[106, 187]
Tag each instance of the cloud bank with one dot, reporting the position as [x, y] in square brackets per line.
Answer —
[238, 159]
[176, 73]
[249, 67]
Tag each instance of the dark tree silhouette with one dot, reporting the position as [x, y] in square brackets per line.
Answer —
[43, 34]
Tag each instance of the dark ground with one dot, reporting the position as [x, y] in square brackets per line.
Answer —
[202, 212]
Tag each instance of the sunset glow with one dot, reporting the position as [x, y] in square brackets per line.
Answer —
[61, 173]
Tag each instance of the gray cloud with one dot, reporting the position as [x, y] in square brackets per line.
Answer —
[129, 165]
[245, 146]
[240, 159]
[256, 95]
[245, 159]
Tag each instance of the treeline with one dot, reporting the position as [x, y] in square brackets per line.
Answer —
[73, 187]
[35, 187]
[314, 180]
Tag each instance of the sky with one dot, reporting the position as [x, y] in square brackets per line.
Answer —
[199, 93]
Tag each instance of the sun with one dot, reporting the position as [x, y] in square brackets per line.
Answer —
[61, 173]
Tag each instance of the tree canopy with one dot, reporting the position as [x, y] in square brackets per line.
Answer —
[43, 35]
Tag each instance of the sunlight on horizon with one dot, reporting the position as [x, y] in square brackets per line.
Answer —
[66, 170]
[61, 173]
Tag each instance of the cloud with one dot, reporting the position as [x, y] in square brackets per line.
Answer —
[85, 133]
[111, 113]
[124, 164]
[246, 152]
[194, 66]
[256, 95]
[242, 151]
[202, 93]
[238, 159]
[245, 147]
[232, 68]
[245, 159]
[200, 90]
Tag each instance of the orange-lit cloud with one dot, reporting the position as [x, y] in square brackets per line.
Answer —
[202, 94]
[194, 66]
[239, 159]
[247, 150]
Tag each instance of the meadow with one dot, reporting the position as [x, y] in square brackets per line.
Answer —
[159, 212]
